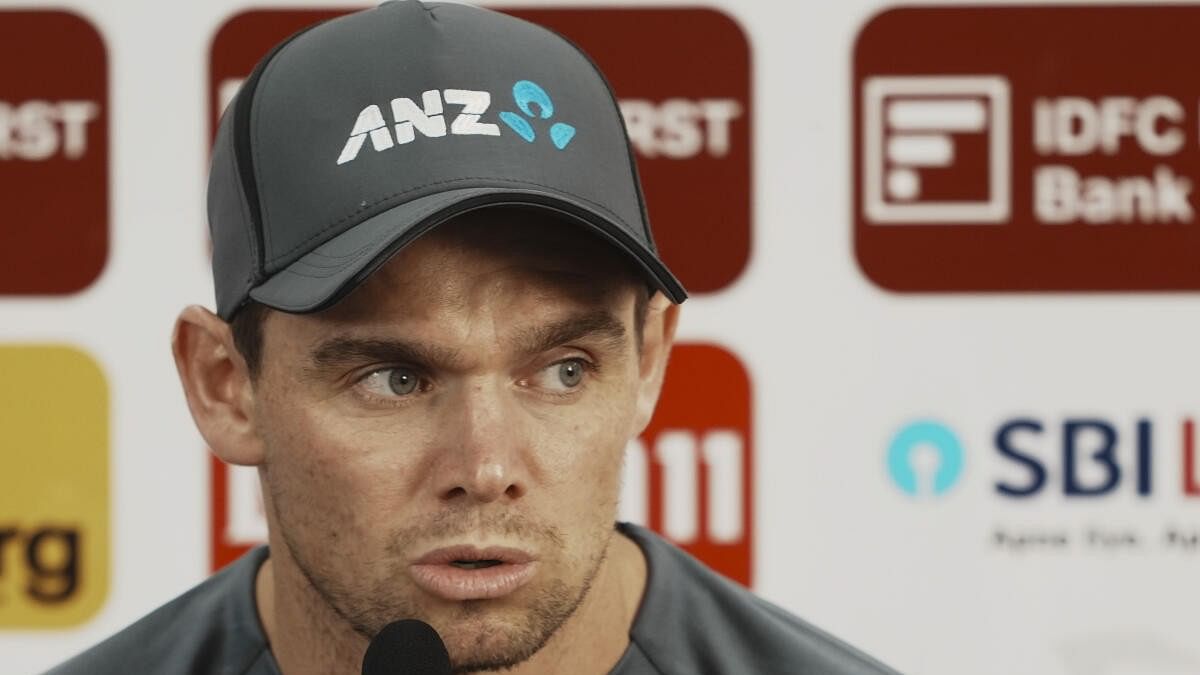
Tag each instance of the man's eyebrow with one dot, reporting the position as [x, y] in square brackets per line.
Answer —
[346, 350]
[593, 324]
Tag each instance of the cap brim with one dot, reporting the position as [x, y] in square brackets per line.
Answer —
[333, 269]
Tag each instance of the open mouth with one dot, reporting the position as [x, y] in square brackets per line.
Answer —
[468, 572]
[475, 564]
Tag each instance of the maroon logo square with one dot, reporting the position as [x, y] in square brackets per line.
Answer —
[1028, 149]
[53, 152]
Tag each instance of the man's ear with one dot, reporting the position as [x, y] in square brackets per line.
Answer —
[217, 384]
[658, 337]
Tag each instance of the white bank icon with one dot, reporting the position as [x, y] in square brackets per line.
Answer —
[910, 125]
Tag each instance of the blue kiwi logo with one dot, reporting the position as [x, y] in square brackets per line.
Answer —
[526, 94]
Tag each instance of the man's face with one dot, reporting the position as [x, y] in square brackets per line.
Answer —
[446, 443]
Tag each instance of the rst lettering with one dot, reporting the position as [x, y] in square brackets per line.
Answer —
[680, 128]
[40, 130]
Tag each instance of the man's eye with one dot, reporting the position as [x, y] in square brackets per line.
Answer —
[570, 373]
[392, 382]
[564, 375]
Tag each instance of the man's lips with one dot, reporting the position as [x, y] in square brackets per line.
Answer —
[471, 573]
[449, 554]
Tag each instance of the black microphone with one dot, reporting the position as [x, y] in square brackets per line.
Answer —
[406, 647]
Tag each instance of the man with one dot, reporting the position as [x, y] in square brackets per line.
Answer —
[440, 319]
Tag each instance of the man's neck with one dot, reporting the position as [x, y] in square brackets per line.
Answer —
[308, 638]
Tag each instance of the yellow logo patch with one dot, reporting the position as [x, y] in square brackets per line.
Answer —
[54, 501]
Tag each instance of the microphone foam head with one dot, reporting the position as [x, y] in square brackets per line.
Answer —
[406, 647]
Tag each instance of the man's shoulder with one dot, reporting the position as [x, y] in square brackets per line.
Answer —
[212, 629]
[694, 620]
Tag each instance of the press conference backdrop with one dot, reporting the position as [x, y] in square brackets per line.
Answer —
[935, 389]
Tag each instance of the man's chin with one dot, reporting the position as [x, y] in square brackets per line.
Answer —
[485, 635]
[479, 643]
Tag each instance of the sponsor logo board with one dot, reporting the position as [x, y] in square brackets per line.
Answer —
[54, 493]
[1063, 161]
[53, 152]
[1076, 462]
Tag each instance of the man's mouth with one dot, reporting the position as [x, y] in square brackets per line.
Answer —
[469, 573]
[476, 564]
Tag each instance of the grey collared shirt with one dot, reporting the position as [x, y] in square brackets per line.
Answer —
[691, 620]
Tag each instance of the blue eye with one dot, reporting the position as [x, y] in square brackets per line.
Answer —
[394, 382]
[570, 373]
[402, 381]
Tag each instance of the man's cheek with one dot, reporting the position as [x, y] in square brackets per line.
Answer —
[315, 477]
[592, 467]
[581, 443]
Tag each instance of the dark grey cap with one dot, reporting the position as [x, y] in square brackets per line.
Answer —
[354, 137]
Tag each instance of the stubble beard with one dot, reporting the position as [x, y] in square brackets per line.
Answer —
[480, 645]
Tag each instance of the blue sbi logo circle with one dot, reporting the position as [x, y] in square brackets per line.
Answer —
[925, 458]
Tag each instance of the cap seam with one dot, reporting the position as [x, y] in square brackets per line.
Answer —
[633, 170]
[263, 204]
[249, 231]
[243, 208]
[359, 211]
[245, 162]
[334, 261]
[331, 269]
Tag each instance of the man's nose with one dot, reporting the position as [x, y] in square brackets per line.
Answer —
[485, 448]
